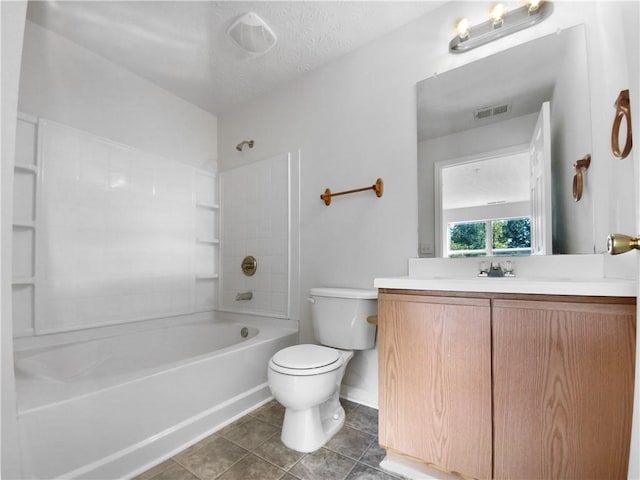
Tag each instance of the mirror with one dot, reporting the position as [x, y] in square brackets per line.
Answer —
[490, 111]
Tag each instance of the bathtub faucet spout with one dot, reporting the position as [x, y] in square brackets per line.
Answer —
[244, 296]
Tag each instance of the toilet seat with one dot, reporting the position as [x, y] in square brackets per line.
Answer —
[306, 359]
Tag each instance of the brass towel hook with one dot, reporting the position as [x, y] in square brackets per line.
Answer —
[623, 110]
[577, 178]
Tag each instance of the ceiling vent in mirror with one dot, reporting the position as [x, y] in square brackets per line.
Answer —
[252, 34]
[488, 112]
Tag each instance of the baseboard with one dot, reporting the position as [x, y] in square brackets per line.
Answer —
[413, 469]
[358, 395]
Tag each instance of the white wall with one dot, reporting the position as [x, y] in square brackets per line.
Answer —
[67, 83]
[12, 27]
[355, 120]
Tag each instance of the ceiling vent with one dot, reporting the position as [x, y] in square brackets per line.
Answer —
[252, 34]
[488, 112]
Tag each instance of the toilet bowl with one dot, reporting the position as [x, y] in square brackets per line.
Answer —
[306, 378]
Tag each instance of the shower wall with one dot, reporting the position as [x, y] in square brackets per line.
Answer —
[114, 231]
[255, 213]
[115, 197]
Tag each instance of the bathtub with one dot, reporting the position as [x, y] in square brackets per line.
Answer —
[113, 405]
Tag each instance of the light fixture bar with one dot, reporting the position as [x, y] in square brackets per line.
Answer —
[488, 31]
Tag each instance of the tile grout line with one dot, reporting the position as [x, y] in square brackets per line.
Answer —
[230, 467]
[252, 452]
[276, 465]
[351, 470]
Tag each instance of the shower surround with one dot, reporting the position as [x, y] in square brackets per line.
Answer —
[120, 357]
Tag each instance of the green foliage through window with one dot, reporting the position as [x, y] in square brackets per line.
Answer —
[511, 233]
[509, 236]
[467, 236]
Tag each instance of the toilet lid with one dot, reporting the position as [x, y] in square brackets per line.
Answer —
[304, 357]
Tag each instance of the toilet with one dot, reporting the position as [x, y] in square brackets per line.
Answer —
[306, 378]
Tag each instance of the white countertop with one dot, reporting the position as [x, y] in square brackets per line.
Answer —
[586, 275]
[608, 287]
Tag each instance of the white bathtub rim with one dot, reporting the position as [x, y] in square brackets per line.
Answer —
[93, 333]
[44, 340]
[39, 350]
[265, 334]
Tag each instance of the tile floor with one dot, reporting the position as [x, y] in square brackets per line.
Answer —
[250, 448]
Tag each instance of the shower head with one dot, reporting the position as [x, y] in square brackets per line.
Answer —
[243, 143]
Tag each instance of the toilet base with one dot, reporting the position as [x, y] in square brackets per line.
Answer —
[308, 430]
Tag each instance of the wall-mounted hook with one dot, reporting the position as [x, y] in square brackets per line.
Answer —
[577, 178]
[623, 110]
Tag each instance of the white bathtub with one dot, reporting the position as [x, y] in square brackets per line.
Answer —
[110, 407]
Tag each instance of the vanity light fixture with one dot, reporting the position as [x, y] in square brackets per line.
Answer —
[500, 24]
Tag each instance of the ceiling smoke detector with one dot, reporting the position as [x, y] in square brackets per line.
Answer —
[252, 34]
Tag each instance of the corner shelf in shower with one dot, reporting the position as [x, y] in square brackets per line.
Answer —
[25, 212]
[207, 277]
[24, 224]
[206, 240]
[208, 206]
[26, 168]
[210, 241]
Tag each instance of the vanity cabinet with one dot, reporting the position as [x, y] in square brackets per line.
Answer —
[507, 385]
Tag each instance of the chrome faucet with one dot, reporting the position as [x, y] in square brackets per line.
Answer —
[497, 270]
[244, 296]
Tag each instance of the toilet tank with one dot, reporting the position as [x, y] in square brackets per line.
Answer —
[339, 317]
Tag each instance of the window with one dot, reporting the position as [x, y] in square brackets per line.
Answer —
[504, 236]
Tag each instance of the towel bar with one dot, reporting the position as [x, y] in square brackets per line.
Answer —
[377, 187]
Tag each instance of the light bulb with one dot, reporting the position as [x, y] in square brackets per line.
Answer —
[533, 5]
[463, 27]
[496, 14]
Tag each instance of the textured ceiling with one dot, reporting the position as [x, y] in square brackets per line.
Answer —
[500, 179]
[182, 46]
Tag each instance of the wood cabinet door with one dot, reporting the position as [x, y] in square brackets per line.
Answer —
[563, 389]
[435, 380]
